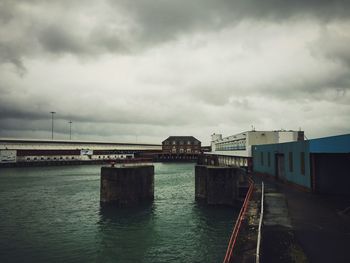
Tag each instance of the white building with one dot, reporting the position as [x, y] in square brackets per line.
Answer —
[236, 149]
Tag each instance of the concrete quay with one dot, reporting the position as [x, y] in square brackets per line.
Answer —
[304, 227]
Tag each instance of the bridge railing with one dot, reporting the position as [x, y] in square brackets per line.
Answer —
[236, 229]
[257, 260]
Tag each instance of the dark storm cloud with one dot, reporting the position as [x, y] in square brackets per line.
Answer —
[30, 107]
[162, 20]
[30, 29]
[161, 66]
[153, 21]
[9, 54]
[334, 45]
[56, 39]
[6, 11]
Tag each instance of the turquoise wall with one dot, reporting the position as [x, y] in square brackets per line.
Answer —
[296, 148]
[333, 144]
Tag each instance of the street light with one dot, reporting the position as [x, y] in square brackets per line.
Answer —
[70, 130]
[52, 113]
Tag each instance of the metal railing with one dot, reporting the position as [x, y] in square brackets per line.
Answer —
[236, 229]
[257, 260]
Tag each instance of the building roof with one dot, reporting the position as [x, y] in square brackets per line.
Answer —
[332, 144]
[41, 141]
[184, 138]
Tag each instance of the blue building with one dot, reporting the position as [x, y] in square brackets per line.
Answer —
[319, 165]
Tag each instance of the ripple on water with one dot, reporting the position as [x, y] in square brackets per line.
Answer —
[53, 214]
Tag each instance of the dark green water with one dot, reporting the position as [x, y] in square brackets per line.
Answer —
[53, 214]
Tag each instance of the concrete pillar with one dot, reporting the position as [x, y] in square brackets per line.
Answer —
[217, 185]
[127, 186]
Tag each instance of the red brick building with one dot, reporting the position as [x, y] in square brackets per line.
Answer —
[181, 145]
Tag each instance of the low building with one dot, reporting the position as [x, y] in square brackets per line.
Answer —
[16, 152]
[237, 149]
[180, 148]
[319, 165]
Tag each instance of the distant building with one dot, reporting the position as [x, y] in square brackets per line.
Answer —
[205, 149]
[17, 152]
[180, 147]
[236, 149]
[320, 165]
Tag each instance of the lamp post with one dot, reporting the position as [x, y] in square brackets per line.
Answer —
[70, 130]
[52, 113]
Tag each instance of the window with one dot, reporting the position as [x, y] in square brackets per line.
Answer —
[174, 142]
[262, 158]
[189, 142]
[302, 163]
[269, 159]
[290, 162]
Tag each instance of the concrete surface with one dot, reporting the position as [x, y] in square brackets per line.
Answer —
[127, 186]
[278, 239]
[315, 225]
[217, 185]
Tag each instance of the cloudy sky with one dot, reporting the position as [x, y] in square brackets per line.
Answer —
[141, 70]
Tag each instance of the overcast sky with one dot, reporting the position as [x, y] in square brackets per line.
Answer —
[142, 70]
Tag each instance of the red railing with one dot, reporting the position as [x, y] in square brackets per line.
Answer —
[236, 229]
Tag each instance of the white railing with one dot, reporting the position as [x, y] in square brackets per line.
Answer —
[260, 224]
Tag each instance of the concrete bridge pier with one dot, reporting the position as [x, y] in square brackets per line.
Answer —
[217, 185]
[127, 185]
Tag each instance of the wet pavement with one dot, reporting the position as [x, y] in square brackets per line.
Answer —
[297, 223]
[278, 239]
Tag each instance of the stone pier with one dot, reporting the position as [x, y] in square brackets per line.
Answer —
[127, 186]
[217, 185]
